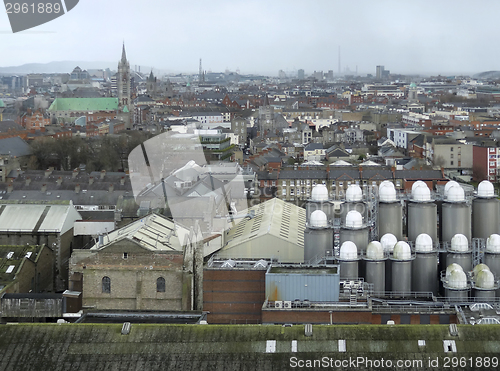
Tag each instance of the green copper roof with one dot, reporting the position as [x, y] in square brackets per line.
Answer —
[125, 109]
[84, 104]
[2, 104]
[413, 85]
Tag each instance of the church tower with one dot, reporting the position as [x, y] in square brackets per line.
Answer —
[123, 85]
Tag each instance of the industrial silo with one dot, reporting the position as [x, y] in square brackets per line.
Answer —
[354, 230]
[375, 266]
[318, 236]
[422, 213]
[484, 284]
[354, 201]
[401, 269]
[485, 219]
[455, 214]
[390, 211]
[456, 286]
[319, 201]
[492, 255]
[388, 242]
[424, 277]
[459, 252]
[348, 260]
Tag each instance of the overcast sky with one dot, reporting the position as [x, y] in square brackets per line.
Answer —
[264, 36]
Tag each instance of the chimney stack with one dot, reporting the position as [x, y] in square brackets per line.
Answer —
[103, 174]
[10, 188]
[91, 180]
[59, 180]
[77, 188]
[28, 181]
[44, 187]
[75, 173]
[48, 172]
[111, 188]
[122, 180]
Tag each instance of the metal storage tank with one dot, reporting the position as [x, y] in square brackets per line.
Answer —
[318, 236]
[319, 201]
[456, 286]
[422, 214]
[484, 282]
[375, 266]
[492, 255]
[455, 214]
[354, 230]
[424, 277]
[354, 201]
[401, 268]
[459, 252]
[388, 242]
[485, 218]
[348, 260]
[390, 211]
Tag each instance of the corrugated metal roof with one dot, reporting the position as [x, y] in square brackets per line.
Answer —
[21, 218]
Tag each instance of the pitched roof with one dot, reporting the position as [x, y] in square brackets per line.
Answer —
[84, 104]
[14, 146]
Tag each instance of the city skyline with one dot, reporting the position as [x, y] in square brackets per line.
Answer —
[258, 37]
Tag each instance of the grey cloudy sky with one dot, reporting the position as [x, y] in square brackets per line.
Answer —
[263, 36]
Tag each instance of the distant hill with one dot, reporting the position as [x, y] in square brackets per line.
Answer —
[488, 75]
[56, 67]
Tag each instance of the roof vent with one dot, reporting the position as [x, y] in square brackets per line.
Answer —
[126, 328]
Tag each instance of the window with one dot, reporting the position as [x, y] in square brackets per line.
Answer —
[125, 255]
[106, 285]
[160, 284]
[451, 163]
[451, 149]
[284, 183]
[283, 192]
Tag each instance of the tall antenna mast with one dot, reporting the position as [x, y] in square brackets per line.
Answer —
[201, 75]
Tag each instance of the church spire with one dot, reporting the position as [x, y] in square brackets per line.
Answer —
[124, 55]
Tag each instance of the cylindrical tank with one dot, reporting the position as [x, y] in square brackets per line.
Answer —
[388, 242]
[459, 252]
[319, 201]
[424, 276]
[401, 268]
[390, 211]
[348, 260]
[354, 230]
[456, 286]
[422, 214]
[375, 266]
[353, 201]
[318, 236]
[485, 218]
[455, 214]
[492, 256]
[484, 282]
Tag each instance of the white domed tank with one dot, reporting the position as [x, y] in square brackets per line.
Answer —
[319, 193]
[456, 286]
[455, 214]
[452, 267]
[422, 213]
[354, 230]
[375, 266]
[318, 237]
[424, 276]
[318, 219]
[348, 260]
[459, 252]
[353, 193]
[388, 242]
[319, 201]
[478, 268]
[418, 183]
[485, 280]
[390, 211]
[401, 269]
[492, 256]
[485, 209]
[448, 185]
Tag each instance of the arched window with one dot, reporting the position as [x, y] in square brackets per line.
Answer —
[106, 285]
[160, 284]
